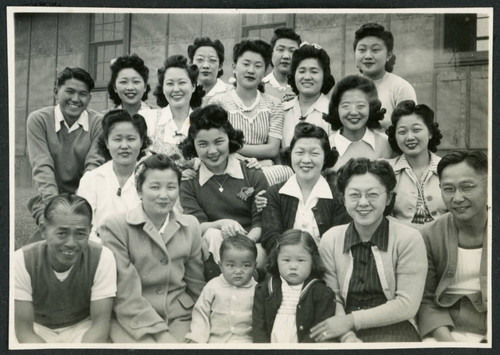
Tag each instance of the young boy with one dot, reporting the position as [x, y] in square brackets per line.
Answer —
[284, 42]
[223, 312]
[64, 285]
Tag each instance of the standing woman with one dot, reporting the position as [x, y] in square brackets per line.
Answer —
[208, 56]
[110, 188]
[305, 201]
[128, 86]
[310, 79]
[258, 116]
[415, 136]
[375, 265]
[373, 47]
[158, 259]
[176, 95]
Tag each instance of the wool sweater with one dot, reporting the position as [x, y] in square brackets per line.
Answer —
[59, 159]
[279, 214]
[441, 240]
[401, 269]
[316, 303]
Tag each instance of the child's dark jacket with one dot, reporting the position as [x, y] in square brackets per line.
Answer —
[316, 303]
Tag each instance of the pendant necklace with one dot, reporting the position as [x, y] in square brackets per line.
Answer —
[221, 188]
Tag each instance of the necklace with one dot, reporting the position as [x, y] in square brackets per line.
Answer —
[221, 188]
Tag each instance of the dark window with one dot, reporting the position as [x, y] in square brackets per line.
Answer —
[465, 33]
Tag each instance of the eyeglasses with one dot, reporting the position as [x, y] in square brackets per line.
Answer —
[465, 190]
[370, 196]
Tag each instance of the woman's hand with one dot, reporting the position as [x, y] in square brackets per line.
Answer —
[231, 228]
[253, 163]
[260, 201]
[188, 174]
[332, 327]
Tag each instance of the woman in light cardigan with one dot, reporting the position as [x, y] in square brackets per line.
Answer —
[375, 265]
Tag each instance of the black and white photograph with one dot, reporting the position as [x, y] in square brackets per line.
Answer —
[250, 178]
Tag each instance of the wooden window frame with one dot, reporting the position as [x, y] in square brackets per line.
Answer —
[289, 22]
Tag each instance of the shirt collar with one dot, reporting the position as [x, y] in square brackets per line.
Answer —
[271, 80]
[320, 190]
[144, 106]
[82, 121]
[380, 238]
[342, 143]
[233, 169]
[321, 105]
[402, 163]
[137, 216]
[219, 87]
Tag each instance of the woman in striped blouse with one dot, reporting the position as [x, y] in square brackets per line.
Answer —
[258, 115]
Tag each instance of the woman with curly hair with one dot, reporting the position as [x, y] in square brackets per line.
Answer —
[176, 95]
[221, 196]
[310, 79]
[373, 52]
[355, 113]
[415, 135]
[208, 56]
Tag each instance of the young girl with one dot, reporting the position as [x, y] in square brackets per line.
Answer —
[110, 188]
[355, 112]
[374, 58]
[305, 201]
[158, 259]
[293, 298]
[223, 312]
[222, 194]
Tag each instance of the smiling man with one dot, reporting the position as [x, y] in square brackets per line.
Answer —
[454, 307]
[284, 42]
[62, 141]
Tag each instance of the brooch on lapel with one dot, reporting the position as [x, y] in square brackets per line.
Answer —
[245, 193]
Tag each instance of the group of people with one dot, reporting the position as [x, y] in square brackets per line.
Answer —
[282, 208]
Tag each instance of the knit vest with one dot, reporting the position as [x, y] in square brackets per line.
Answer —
[57, 303]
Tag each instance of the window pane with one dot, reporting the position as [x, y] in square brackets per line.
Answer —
[100, 54]
[98, 33]
[482, 45]
[266, 34]
[119, 50]
[107, 72]
[460, 32]
[118, 30]
[109, 53]
[98, 19]
[279, 18]
[253, 34]
[266, 19]
[100, 72]
[108, 32]
[108, 18]
[251, 19]
[118, 17]
[482, 27]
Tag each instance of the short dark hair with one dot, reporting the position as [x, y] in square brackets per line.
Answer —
[309, 51]
[154, 162]
[240, 243]
[75, 73]
[356, 82]
[208, 117]
[376, 30]
[360, 166]
[207, 42]
[253, 45]
[115, 116]
[132, 61]
[406, 108]
[284, 32]
[475, 159]
[70, 202]
[309, 130]
[178, 61]
[295, 237]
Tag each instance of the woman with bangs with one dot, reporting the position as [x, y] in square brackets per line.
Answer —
[311, 80]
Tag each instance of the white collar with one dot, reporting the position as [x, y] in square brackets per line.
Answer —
[233, 169]
[82, 121]
[162, 229]
[320, 105]
[218, 88]
[342, 143]
[271, 80]
[108, 172]
[320, 190]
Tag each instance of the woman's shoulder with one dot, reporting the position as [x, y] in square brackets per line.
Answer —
[334, 234]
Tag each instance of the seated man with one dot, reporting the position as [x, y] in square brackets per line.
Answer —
[65, 284]
[62, 141]
[454, 306]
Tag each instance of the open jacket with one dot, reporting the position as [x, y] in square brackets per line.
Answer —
[316, 303]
